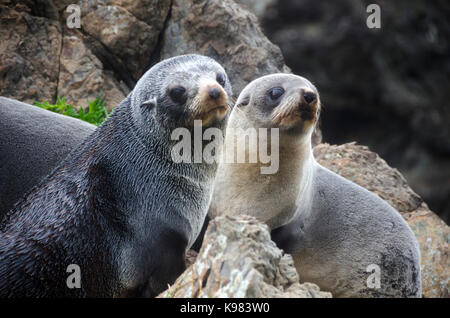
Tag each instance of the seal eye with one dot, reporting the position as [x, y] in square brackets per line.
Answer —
[178, 94]
[220, 78]
[275, 93]
[244, 102]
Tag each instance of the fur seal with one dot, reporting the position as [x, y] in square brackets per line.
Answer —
[33, 141]
[118, 206]
[337, 231]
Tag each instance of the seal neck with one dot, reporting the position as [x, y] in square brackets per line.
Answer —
[272, 198]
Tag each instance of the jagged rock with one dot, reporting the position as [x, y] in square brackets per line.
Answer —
[29, 54]
[258, 7]
[130, 40]
[225, 31]
[434, 238]
[238, 259]
[360, 165]
[61, 5]
[81, 75]
[151, 12]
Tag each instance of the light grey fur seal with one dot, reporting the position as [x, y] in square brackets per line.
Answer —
[339, 234]
[33, 141]
[118, 206]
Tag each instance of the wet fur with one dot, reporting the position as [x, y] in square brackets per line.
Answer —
[117, 206]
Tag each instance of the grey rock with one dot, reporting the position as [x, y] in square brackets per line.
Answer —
[29, 54]
[238, 259]
[257, 7]
[82, 75]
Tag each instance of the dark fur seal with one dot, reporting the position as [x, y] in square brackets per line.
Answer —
[118, 206]
[341, 235]
[33, 141]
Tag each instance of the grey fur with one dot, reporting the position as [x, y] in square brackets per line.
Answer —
[342, 229]
[117, 206]
[33, 141]
[334, 228]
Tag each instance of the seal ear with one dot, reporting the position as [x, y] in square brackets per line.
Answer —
[150, 103]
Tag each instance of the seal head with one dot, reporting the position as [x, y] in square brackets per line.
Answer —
[285, 101]
[180, 90]
[287, 106]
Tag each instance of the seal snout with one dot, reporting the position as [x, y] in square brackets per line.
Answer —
[300, 106]
[214, 98]
[307, 100]
[212, 101]
[307, 104]
[214, 93]
[308, 96]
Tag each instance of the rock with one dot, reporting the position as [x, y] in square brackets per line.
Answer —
[238, 259]
[29, 54]
[191, 256]
[257, 7]
[226, 32]
[360, 165]
[433, 236]
[130, 40]
[395, 77]
[82, 76]
[61, 5]
[151, 12]
[40, 8]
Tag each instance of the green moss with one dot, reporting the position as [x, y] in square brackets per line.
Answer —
[95, 113]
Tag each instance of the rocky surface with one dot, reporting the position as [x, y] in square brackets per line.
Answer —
[29, 54]
[82, 75]
[387, 88]
[258, 7]
[360, 165]
[238, 259]
[129, 34]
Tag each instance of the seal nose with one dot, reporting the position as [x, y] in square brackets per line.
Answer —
[309, 97]
[214, 93]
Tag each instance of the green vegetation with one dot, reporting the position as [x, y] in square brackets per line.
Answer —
[95, 113]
